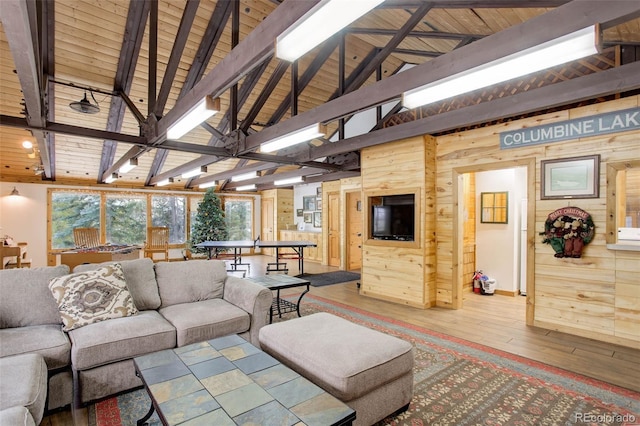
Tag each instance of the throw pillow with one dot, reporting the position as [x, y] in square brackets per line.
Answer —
[88, 297]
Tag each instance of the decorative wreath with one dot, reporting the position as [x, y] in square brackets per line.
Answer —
[568, 230]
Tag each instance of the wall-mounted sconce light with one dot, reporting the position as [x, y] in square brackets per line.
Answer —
[15, 192]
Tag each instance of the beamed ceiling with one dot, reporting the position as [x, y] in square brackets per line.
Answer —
[146, 62]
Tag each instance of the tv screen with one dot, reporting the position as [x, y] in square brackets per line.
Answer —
[393, 217]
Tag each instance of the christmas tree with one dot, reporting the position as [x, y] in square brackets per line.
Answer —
[209, 223]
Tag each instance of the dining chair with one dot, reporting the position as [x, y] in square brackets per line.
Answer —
[86, 237]
[157, 242]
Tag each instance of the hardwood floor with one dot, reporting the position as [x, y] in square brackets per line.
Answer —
[494, 321]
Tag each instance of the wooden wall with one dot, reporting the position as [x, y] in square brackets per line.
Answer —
[597, 295]
[342, 186]
[401, 271]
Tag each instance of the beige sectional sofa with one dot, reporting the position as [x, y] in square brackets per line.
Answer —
[177, 303]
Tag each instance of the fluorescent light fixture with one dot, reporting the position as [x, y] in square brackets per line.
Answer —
[112, 178]
[128, 166]
[294, 138]
[567, 48]
[289, 181]
[321, 22]
[196, 115]
[164, 182]
[246, 188]
[194, 172]
[208, 184]
[244, 176]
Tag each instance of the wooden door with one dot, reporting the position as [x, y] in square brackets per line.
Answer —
[354, 230]
[267, 232]
[334, 229]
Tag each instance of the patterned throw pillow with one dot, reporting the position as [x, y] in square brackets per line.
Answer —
[88, 297]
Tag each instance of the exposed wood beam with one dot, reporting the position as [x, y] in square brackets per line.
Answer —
[153, 56]
[565, 19]
[272, 83]
[47, 47]
[209, 42]
[249, 53]
[472, 4]
[176, 53]
[614, 80]
[228, 174]
[131, 43]
[270, 178]
[418, 34]
[20, 27]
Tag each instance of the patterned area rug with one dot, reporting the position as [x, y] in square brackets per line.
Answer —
[456, 383]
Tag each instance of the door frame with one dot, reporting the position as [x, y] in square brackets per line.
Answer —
[458, 229]
[347, 241]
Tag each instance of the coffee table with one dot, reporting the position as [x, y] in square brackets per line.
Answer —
[228, 381]
[280, 282]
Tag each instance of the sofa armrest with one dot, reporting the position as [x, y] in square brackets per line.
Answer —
[252, 298]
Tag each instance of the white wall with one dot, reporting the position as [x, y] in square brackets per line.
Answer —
[24, 218]
[498, 245]
[300, 191]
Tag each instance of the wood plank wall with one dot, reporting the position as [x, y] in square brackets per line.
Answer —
[403, 272]
[596, 296]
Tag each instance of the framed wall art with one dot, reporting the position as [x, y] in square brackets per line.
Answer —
[308, 217]
[576, 177]
[317, 219]
[308, 203]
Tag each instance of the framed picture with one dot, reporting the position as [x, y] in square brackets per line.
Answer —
[298, 212]
[577, 177]
[309, 202]
[317, 219]
[319, 192]
[318, 203]
[308, 217]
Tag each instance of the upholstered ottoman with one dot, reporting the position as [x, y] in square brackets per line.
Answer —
[23, 384]
[369, 371]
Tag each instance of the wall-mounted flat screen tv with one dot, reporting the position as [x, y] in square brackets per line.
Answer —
[393, 217]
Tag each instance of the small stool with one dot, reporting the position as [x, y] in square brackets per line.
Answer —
[23, 383]
[369, 371]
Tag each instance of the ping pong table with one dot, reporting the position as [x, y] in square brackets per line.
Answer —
[215, 247]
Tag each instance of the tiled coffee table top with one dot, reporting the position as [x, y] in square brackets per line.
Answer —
[228, 381]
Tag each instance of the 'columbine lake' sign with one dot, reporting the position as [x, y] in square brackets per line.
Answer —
[601, 124]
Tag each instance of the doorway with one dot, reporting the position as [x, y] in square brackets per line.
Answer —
[495, 220]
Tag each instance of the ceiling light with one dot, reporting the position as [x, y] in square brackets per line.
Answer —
[165, 182]
[196, 115]
[15, 192]
[321, 22]
[289, 181]
[244, 176]
[246, 188]
[569, 47]
[194, 172]
[85, 106]
[128, 166]
[28, 146]
[208, 184]
[112, 178]
[294, 138]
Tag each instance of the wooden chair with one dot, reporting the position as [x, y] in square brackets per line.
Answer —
[157, 242]
[86, 237]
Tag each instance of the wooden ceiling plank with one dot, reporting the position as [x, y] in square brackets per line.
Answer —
[570, 17]
[615, 80]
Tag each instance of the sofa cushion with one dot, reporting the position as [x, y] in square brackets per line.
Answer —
[16, 416]
[88, 297]
[26, 298]
[47, 340]
[119, 339]
[140, 278]
[205, 320]
[192, 281]
[24, 383]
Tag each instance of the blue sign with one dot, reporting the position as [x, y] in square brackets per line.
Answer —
[601, 124]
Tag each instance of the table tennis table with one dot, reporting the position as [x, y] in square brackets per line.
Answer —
[215, 247]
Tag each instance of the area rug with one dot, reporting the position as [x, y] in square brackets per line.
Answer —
[328, 278]
[456, 382]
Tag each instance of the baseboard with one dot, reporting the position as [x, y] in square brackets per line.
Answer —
[513, 293]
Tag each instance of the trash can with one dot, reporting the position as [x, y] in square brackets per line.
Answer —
[488, 286]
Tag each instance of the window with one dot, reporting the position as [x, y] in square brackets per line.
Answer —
[494, 207]
[72, 210]
[239, 218]
[170, 211]
[126, 219]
